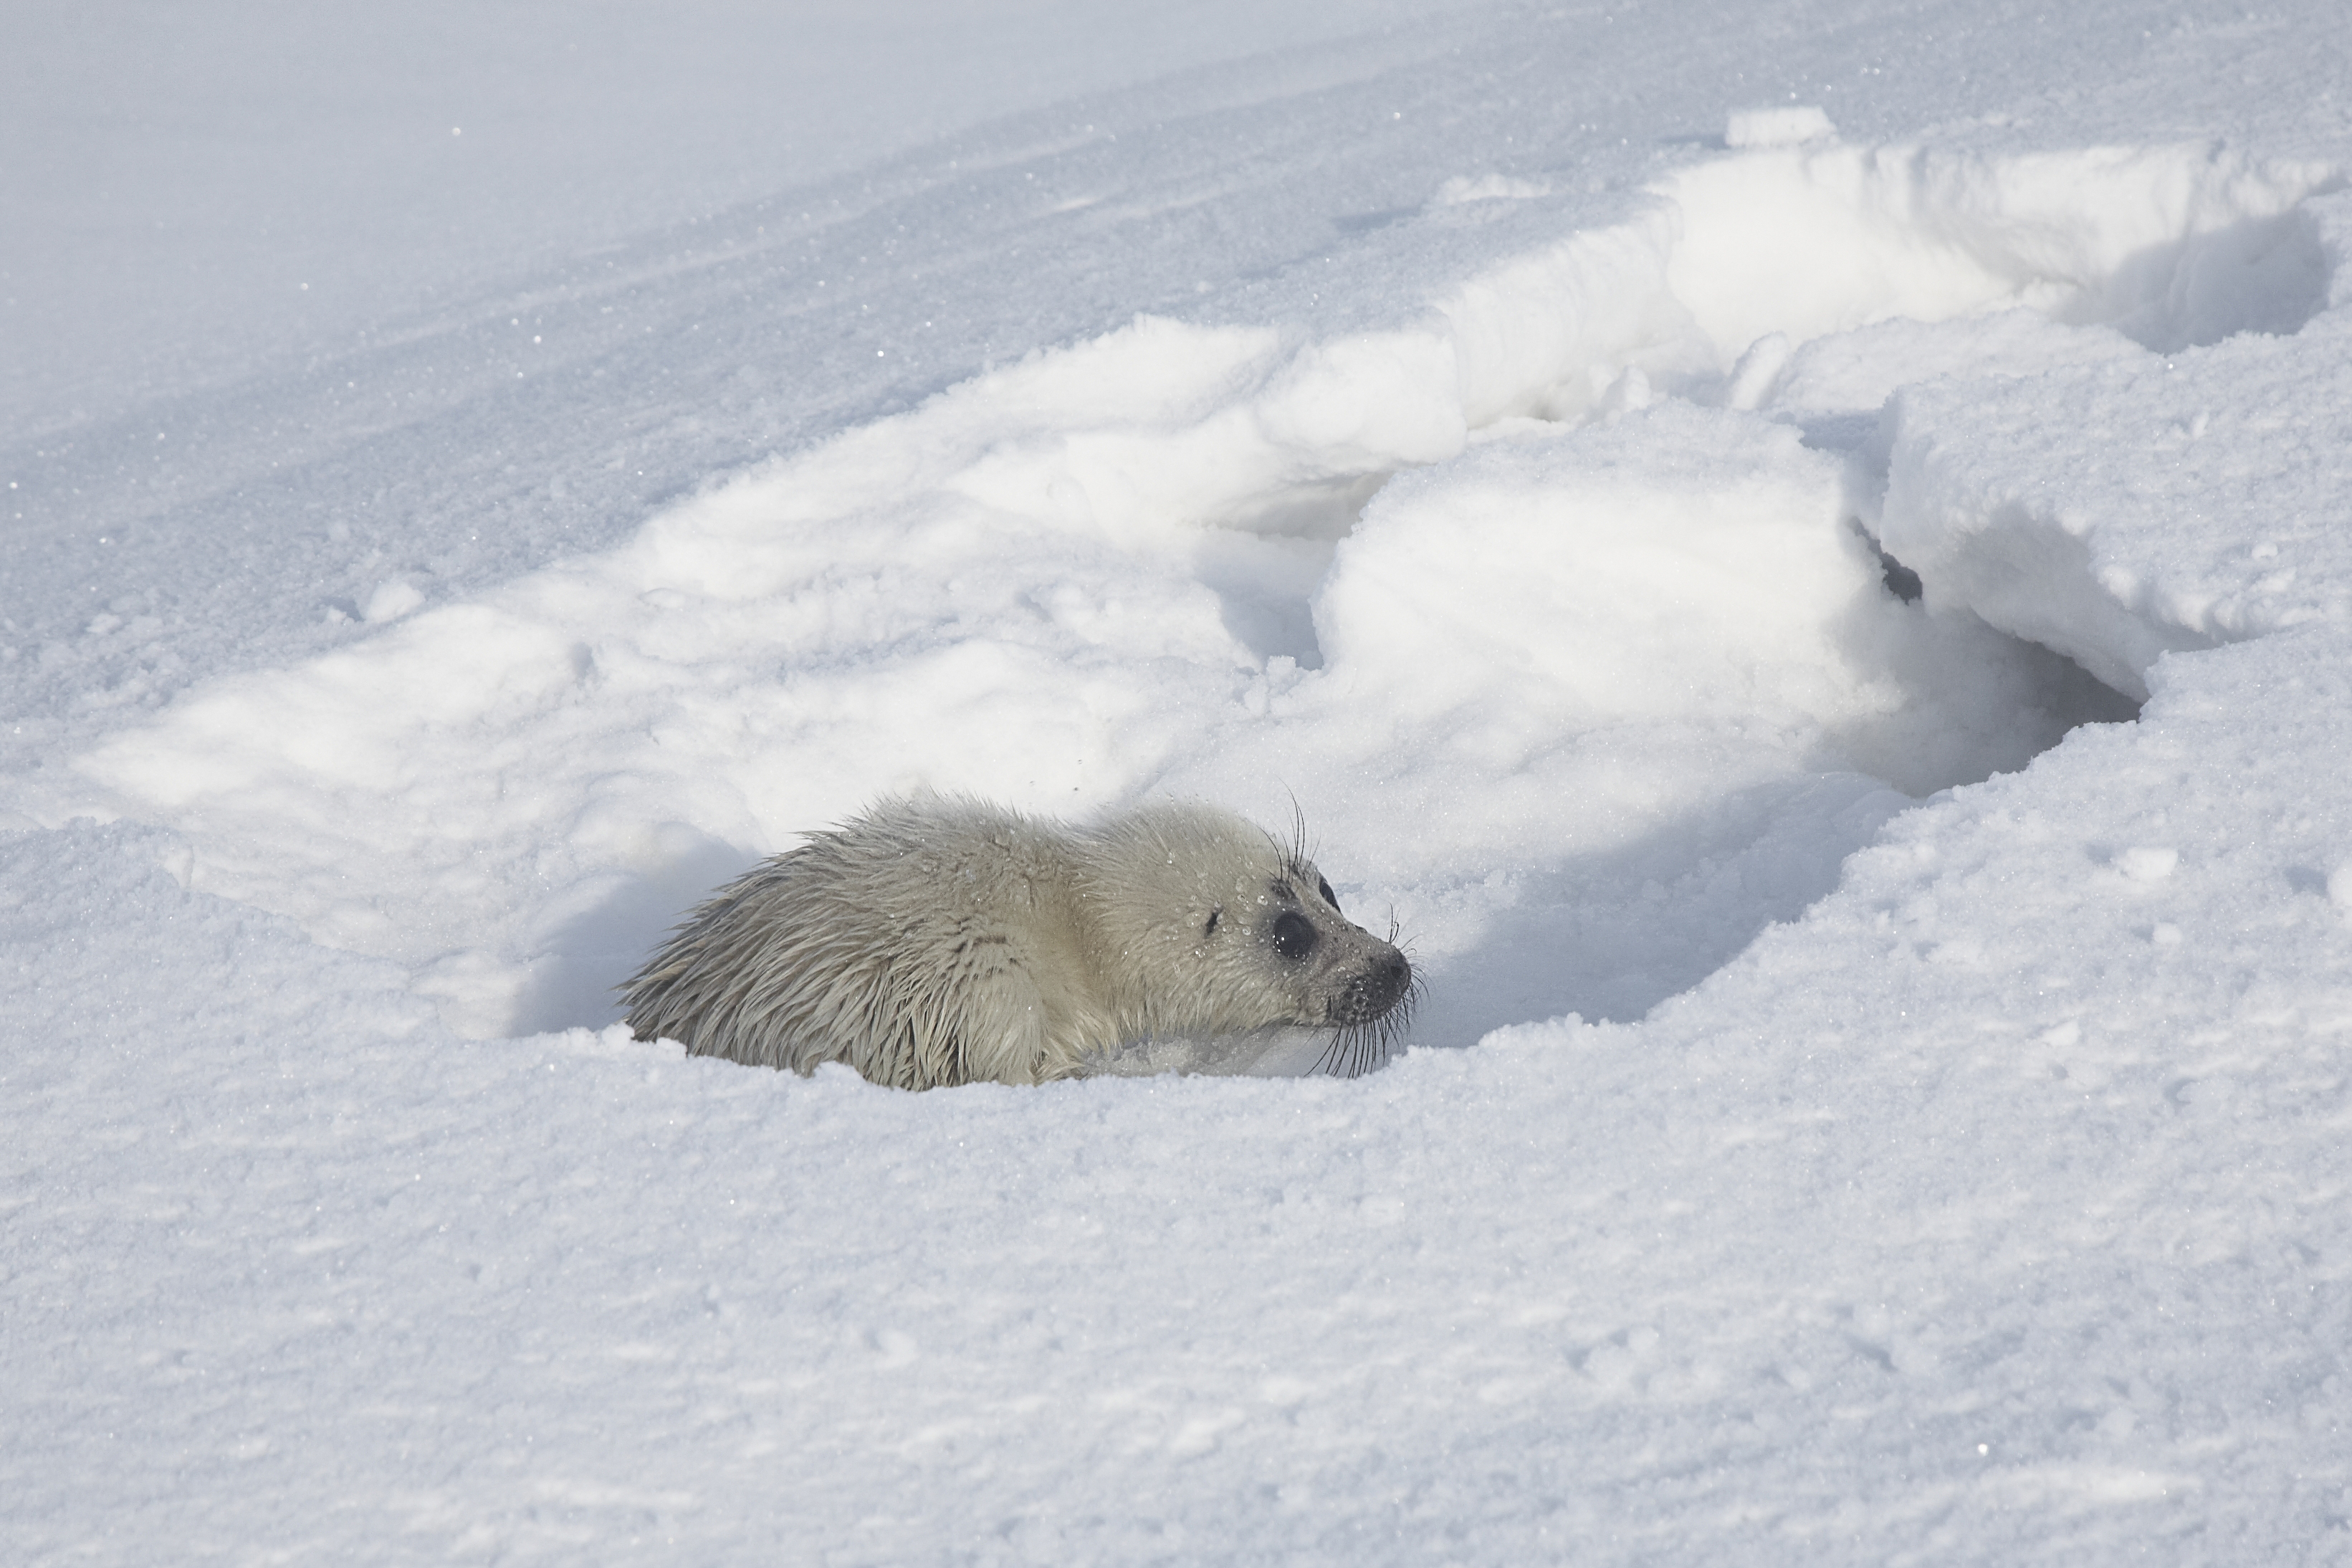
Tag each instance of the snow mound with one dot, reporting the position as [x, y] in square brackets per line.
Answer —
[2170, 246]
[2112, 558]
[1116, 567]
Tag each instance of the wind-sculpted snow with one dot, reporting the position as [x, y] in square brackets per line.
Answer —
[2171, 245]
[2111, 556]
[1111, 567]
[1832, 644]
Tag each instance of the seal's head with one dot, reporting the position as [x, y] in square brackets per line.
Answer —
[1224, 928]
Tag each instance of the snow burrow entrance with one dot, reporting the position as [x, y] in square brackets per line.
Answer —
[1606, 681]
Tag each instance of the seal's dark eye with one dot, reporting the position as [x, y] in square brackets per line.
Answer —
[1323, 886]
[1215, 916]
[1294, 938]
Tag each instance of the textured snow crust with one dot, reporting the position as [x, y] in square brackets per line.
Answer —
[1816, 592]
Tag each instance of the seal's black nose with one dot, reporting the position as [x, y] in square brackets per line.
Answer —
[1374, 990]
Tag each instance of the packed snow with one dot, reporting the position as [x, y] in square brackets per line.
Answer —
[1803, 563]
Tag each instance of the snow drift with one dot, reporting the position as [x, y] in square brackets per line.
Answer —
[1803, 562]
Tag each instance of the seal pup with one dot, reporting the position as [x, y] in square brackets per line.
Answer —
[938, 941]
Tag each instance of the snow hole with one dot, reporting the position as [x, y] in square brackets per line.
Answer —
[1559, 596]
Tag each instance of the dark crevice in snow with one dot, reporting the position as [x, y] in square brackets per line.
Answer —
[1900, 580]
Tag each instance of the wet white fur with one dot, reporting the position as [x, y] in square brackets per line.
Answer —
[937, 940]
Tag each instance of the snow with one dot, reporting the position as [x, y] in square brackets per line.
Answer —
[220, 190]
[1803, 563]
[2113, 560]
[1776, 127]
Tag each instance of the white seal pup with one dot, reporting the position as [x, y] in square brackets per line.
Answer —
[936, 941]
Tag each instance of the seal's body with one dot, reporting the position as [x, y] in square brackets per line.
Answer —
[937, 940]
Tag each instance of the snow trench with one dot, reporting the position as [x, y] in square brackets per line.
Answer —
[1604, 538]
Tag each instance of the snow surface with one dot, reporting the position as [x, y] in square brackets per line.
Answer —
[1805, 562]
[197, 192]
